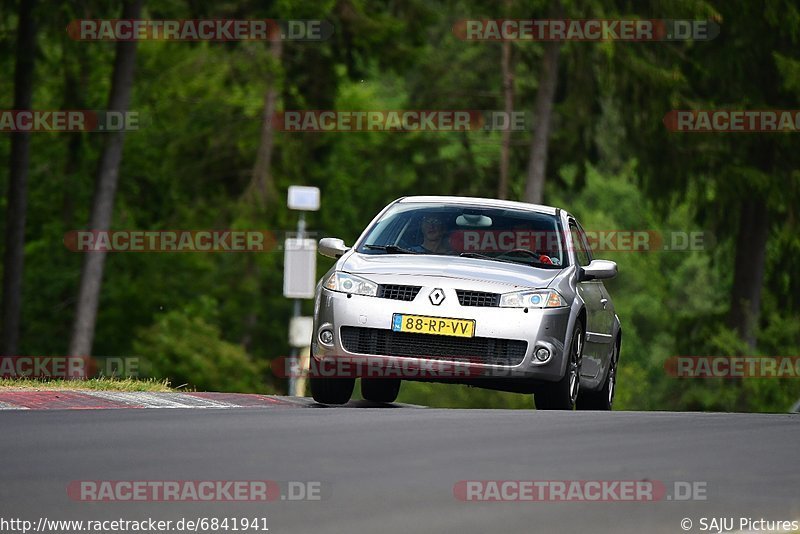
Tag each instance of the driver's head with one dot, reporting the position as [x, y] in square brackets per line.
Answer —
[432, 227]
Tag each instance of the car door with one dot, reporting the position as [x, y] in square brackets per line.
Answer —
[605, 319]
[592, 293]
[604, 338]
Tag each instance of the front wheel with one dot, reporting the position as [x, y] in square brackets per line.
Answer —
[332, 390]
[562, 395]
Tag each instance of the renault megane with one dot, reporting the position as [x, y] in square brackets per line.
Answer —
[510, 290]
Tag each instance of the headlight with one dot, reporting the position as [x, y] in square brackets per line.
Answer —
[348, 283]
[544, 298]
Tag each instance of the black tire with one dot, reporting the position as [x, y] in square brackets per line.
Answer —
[332, 390]
[602, 400]
[380, 389]
[562, 395]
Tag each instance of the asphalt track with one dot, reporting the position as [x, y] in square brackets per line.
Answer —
[393, 469]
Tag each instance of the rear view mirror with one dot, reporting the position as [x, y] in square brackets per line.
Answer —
[468, 219]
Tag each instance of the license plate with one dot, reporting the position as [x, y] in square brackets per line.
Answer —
[441, 326]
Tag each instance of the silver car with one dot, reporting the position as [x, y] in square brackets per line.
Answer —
[495, 294]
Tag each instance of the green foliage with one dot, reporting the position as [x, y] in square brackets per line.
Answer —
[183, 346]
[460, 396]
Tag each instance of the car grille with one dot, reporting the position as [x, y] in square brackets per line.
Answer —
[484, 350]
[398, 292]
[478, 298]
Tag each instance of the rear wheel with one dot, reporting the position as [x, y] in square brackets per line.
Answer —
[562, 395]
[332, 390]
[604, 398]
[380, 389]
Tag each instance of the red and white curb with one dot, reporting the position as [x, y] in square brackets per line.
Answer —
[96, 400]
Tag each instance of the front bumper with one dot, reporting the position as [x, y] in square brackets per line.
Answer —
[345, 314]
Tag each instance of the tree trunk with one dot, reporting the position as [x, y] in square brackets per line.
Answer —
[105, 190]
[261, 188]
[76, 77]
[543, 110]
[262, 185]
[508, 101]
[748, 270]
[13, 262]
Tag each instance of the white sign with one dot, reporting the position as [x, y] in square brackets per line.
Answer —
[299, 268]
[300, 331]
[303, 198]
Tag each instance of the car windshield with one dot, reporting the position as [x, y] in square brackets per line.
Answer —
[492, 234]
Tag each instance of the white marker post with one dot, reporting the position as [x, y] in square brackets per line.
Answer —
[299, 277]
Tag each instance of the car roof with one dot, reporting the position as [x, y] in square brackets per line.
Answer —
[491, 202]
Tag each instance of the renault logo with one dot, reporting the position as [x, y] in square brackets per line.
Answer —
[436, 296]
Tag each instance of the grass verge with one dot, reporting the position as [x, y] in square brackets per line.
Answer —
[104, 384]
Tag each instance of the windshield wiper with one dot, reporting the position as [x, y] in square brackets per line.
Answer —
[521, 262]
[486, 257]
[391, 249]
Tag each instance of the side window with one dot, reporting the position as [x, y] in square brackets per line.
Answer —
[580, 245]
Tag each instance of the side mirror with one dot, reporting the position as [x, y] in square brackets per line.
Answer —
[333, 247]
[599, 270]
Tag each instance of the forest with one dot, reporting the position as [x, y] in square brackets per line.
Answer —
[206, 147]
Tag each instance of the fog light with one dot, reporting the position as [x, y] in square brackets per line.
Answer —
[326, 336]
[542, 354]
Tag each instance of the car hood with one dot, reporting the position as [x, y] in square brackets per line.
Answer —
[448, 267]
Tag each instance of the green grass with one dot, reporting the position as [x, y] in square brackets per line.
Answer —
[103, 384]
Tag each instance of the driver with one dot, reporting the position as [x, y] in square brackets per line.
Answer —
[434, 236]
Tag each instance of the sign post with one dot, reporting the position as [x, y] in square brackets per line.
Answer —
[299, 280]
